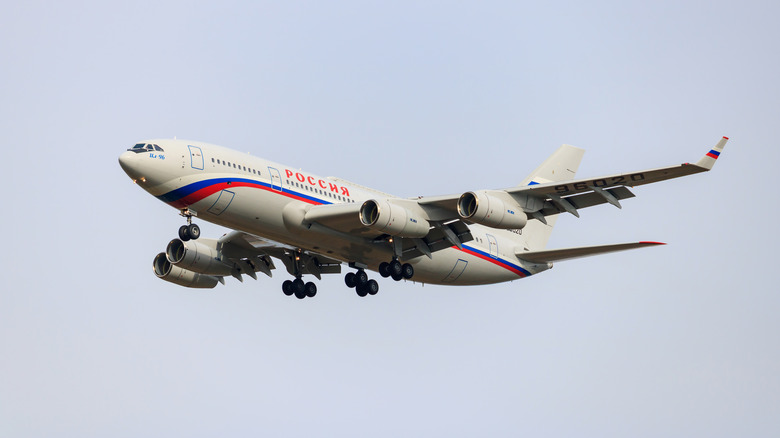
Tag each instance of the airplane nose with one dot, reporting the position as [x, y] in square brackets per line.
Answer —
[128, 161]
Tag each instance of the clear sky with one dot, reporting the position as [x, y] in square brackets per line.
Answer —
[412, 98]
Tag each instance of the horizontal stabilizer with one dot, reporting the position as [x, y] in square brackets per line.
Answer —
[556, 255]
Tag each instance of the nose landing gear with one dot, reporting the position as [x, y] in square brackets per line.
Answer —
[190, 231]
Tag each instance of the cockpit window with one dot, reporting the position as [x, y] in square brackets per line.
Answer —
[143, 147]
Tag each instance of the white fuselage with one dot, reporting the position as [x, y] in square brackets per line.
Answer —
[251, 194]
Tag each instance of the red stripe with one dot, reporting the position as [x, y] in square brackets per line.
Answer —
[492, 260]
[214, 188]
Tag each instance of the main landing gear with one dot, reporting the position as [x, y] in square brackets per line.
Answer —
[298, 288]
[396, 270]
[190, 231]
[359, 280]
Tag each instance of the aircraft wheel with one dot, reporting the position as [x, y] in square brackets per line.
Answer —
[299, 288]
[361, 277]
[184, 233]
[287, 287]
[384, 269]
[397, 277]
[372, 287]
[395, 268]
[350, 280]
[407, 271]
[362, 290]
[311, 289]
[194, 231]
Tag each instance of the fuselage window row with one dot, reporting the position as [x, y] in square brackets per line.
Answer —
[289, 183]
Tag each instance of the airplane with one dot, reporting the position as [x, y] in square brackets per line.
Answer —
[316, 225]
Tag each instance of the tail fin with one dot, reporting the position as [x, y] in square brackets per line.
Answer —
[560, 166]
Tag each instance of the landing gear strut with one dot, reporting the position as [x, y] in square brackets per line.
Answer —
[190, 231]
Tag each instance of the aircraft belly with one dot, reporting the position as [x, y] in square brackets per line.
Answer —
[463, 267]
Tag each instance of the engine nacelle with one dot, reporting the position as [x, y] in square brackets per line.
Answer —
[198, 256]
[491, 211]
[183, 277]
[393, 219]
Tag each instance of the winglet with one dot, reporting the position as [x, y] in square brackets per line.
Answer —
[708, 160]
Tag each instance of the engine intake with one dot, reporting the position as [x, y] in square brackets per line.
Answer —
[165, 270]
[392, 219]
[491, 211]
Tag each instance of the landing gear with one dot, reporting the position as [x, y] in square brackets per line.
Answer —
[298, 288]
[190, 231]
[360, 281]
[396, 270]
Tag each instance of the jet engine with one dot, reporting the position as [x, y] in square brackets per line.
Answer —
[393, 219]
[165, 270]
[200, 256]
[485, 209]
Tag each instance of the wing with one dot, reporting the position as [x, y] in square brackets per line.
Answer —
[555, 255]
[539, 200]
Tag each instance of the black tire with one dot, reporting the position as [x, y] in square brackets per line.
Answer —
[298, 287]
[384, 269]
[194, 231]
[397, 277]
[372, 287]
[362, 290]
[395, 268]
[349, 279]
[184, 233]
[287, 287]
[361, 277]
[311, 289]
[407, 271]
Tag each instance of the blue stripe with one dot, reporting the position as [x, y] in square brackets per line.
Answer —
[502, 261]
[184, 191]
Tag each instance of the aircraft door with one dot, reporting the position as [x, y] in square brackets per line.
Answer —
[196, 157]
[493, 246]
[221, 204]
[276, 178]
[456, 272]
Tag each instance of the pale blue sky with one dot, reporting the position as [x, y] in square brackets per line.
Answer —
[412, 98]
